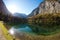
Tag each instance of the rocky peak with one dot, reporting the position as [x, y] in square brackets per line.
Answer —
[47, 6]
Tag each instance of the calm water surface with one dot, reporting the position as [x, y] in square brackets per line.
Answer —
[20, 30]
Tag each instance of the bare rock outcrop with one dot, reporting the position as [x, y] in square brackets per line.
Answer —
[47, 6]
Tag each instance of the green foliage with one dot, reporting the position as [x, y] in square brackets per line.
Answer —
[11, 19]
[46, 19]
[48, 23]
[44, 30]
[5, 31]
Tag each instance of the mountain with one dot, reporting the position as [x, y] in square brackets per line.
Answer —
[6, 16]
[3, 9]
[47, 17]
[21, 15]
[47, 6]
[34, 12]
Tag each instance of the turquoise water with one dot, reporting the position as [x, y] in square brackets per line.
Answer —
[23, 28]
[20, 29]
[32, 30]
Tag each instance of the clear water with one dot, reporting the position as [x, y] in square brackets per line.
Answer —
[20, 29]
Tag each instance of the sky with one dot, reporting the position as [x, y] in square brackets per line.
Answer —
[22, 6]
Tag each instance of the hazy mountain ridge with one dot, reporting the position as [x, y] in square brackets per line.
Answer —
[21, 15]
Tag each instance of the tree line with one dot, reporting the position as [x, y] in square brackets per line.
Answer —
[45, 19]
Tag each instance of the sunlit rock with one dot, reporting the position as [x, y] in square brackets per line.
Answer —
[47, 6]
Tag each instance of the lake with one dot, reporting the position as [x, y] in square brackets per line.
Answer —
[20, 30]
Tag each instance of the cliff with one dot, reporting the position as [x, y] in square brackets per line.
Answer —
[3, 8]
[47, 6]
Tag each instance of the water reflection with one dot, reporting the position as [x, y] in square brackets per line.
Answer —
[25, 29]
[19, 32]
[11, 31]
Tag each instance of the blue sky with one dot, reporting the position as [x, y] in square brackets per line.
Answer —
[21, 6]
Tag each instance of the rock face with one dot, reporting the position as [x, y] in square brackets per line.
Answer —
[3, 8]
[47, 6]
[34, 12]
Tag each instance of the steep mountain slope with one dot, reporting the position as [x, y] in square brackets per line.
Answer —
[3, 8]
[47, 6]
[34, 12]
[6, 16]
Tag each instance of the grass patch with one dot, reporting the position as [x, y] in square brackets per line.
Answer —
[5, 31]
